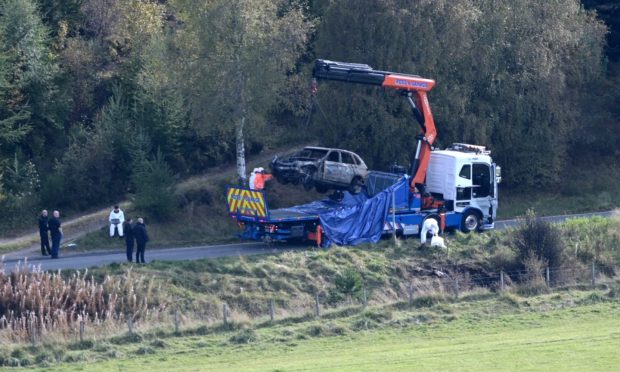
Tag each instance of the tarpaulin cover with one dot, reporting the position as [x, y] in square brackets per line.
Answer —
[360, 219]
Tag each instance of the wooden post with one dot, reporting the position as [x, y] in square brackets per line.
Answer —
[456, 287]
[33, 336]
[271, 310]
[501, 280]
[593, 274]
[547, 277]
[317, 304]
[176, 320]
[410, 293]
[81, 330]
[225, 314]
[364, 297]
[130, 324]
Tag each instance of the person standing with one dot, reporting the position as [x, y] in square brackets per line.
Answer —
[56, 232]
[260, 179]
[43, 233]
[142, 237]
[129, 238]
[117, 217]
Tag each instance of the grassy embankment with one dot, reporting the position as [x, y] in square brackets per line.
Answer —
[503, 324]
[571, 330]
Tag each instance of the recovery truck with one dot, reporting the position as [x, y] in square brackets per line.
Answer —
[457, 186]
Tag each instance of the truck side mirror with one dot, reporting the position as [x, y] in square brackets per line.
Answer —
[498, 174]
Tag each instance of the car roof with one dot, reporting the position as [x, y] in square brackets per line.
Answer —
[326, 149]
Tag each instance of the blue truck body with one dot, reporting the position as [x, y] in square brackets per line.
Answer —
[386, 206]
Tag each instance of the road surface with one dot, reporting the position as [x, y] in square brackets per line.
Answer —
[70, 260]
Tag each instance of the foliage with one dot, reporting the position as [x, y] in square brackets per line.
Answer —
[348, 283]
[48, 301]
[508, 72]
[19, 197]
[83, 83]
[536, 239]
[154, 184]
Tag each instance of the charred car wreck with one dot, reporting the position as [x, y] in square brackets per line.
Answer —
[322, 168]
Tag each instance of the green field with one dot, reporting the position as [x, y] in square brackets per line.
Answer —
[557, 333]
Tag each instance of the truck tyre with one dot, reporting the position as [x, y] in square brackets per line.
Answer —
[470, 222]
[356, 185]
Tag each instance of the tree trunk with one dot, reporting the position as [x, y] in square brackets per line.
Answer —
[241, 150]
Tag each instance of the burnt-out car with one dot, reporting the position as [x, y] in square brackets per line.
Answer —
[323, 168]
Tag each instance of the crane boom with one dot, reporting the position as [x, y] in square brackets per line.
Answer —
[413, 87]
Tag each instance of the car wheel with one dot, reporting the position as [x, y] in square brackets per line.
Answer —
[356, 185]
[470, 222]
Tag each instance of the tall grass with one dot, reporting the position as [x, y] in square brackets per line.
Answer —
[38, 303]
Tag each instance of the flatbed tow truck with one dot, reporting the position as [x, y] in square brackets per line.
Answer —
[457, 186]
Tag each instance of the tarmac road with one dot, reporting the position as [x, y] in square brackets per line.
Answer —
[70, 260]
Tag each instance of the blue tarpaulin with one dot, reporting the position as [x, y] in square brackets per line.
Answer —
[360, 219]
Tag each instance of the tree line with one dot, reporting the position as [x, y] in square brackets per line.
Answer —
[101, 98]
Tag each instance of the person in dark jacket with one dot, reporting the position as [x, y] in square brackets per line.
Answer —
[56, 232]
[129, 238]
[142, 237]
[43, 233]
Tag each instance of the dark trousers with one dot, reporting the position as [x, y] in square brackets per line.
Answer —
[55, 245]
[140, 247]
[129, 244]
[45, 243]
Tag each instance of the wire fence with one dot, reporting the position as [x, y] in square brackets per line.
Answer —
[417, 291]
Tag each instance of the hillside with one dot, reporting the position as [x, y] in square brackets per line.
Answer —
[373, 298]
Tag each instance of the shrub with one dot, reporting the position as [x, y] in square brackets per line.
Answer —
[245, 336]
[349, 282]
[541, 238]
[154, 184]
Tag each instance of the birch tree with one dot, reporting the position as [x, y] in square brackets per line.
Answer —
[239, 55]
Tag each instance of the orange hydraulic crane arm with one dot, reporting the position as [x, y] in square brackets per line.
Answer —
[413, 87]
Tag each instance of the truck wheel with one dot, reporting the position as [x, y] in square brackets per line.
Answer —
[356, 185]
[470, 222]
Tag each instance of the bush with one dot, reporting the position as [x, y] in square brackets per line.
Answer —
[154, 185]
[349, 283]
[540, 238]
[245, 336]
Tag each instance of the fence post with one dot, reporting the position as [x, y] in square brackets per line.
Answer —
[225, 314]
[501, 280]
[365, 297]
[547, 277]
[81, 330]
[130, 324]
[593, 273]
[317, 304]
[33, 336]
[456, 287]
[410, 294]
[176, 320]
[271, 310]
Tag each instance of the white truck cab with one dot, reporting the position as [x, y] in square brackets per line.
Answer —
[466, 178]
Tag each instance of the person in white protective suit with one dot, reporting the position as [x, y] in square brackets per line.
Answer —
[117, 217]
[430, 225]
[253, 178]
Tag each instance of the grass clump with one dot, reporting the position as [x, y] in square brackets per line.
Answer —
[244, 336]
